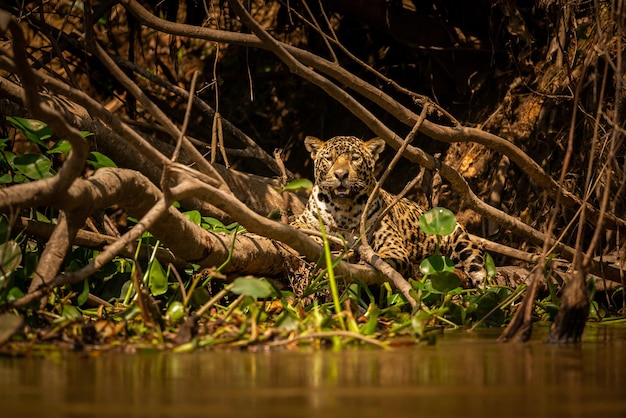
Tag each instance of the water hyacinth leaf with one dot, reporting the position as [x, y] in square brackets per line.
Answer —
[33, 166]
[249, 286]
[35, 130]
[445, 281]
[437, 221]
[157, 279]
[436, 263]
[98, 160]
[10, 258]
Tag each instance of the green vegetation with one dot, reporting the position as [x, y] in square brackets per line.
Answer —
[152, 228]
[143, 304]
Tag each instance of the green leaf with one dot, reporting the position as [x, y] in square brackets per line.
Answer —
[369, 327]
[436, 263]
[70, 312]
[6, 179]
[61, 147]
[213, 224]
[250, 286]
[157, 279]
[84, 294]
[287, 321]
[298, 184]
[445, 281]
[10, 259]
[36, 131]
[4, 142]
[33, 166]
[438, 221]
[98, 160]
[194, 216]
[490, 266]
[485, 304]
[14, 294]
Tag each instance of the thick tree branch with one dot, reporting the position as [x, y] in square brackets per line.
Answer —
[393, 107]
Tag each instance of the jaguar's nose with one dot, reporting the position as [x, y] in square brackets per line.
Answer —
[341, 174]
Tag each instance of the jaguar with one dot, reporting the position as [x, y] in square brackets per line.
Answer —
[344, 174]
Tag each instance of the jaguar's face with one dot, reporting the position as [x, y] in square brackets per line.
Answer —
[344, 165]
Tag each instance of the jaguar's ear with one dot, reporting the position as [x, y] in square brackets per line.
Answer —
[313, 145]
[375, 147]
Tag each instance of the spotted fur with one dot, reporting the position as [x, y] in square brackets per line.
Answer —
[344, 180]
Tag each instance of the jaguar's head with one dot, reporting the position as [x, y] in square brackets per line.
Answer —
[344, 165]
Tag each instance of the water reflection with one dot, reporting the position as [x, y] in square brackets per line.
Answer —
[463, 375]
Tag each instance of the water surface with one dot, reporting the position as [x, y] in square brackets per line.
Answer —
[464, 375]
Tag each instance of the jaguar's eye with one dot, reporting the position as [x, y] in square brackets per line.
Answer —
[356, 158]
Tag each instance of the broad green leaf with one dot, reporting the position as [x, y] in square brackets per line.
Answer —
[19, 178]
[9, 157]
[194, 216]
[436, 263]
[298, 184]
[33, 166]
[445, 281]
[42, 218]
[10, 258]
[98, 160]
[249, 286]
[62, 147]
[213, 224]
[437, 221]
[6, 179]
[157, 279]
[36, 131]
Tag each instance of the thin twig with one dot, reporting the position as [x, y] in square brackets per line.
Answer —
[183, 129]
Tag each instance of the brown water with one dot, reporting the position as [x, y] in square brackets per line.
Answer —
[463, 375]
